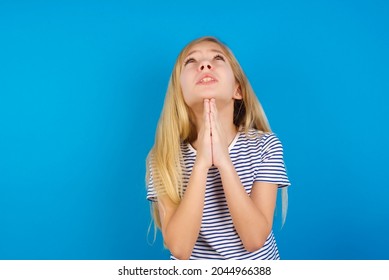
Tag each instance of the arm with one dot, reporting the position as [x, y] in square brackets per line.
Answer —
[252, 215]
[181, 223]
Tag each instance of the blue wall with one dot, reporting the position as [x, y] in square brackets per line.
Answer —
[82, 84]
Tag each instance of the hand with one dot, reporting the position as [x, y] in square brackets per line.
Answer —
[219, 141]
[204, 141]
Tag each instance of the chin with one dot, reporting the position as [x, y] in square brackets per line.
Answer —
[208, 94]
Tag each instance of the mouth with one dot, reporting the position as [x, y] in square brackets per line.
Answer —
[206, 80]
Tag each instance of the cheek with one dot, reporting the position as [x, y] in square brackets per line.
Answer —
[232, 77]
[230, 81]
[183, 82]
[184, 88]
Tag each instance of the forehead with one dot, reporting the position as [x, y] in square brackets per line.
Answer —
[205, 47]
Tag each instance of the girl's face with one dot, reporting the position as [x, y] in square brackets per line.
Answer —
[206, 73]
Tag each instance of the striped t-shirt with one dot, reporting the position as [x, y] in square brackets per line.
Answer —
[256, 156]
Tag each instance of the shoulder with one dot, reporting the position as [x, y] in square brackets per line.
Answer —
[260, 137]
[260, 142]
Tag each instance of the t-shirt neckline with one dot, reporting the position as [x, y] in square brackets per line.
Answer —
[232, 144]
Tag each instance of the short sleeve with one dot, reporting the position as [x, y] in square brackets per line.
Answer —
[271, 166]
[151, 192]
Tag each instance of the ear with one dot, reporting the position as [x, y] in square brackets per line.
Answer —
[238, 93]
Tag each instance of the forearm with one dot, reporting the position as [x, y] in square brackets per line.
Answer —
[183, 227]
[250, 223]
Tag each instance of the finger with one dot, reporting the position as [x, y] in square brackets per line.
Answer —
[213, 112]
[206, 109]
[210, 123]
[212, 117]
[207, 121]
[212, 101]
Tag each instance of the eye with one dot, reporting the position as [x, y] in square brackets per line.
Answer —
[189, 60]
[219, 57]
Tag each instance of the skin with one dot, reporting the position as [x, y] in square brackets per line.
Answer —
[212, 104]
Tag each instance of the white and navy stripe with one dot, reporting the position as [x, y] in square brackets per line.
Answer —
[256, 157]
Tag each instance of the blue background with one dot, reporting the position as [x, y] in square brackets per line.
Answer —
[82, 84]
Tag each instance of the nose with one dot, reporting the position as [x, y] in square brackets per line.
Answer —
[205, 65]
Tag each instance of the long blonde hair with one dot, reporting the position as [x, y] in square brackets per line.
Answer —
[164, 161]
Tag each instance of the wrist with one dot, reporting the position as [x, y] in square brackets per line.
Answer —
[201, 166]
[225, 165]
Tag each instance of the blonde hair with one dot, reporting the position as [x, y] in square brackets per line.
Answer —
[164, 161]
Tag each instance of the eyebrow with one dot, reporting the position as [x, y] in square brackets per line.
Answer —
[212, 50]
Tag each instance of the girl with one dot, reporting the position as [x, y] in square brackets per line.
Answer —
[215, 167]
